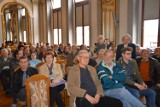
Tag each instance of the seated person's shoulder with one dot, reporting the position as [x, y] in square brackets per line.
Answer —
[12, 59]
[133, 60]
[33, 69]
[153, 59]
[17, 70]
[1, 58]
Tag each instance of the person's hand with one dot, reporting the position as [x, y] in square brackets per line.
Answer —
[52, 83]
[110, 77]
[139, 86]
[97, 97]
[145, 85]
[158, 85]
[91, 99]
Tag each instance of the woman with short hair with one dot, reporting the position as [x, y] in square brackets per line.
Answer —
[54, 72]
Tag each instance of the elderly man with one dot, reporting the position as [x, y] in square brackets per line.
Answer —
[112, 77]
[134, 83]
[150, 71]
[84, 86]
[5, 71]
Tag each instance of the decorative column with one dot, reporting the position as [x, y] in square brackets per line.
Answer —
[20, 23]
[94, 21]
[133, 17]
[1, 39]
[49, 28]
[123, 19]
[42, 21]
[45, 10]
[64, 21]
[70, 21]
[7, 25]
[35, 22]
[108, 19]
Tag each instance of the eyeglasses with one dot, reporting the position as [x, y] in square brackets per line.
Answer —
[84, 57]
[109, 57]
[128, 53]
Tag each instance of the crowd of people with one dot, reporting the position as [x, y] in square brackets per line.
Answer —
[115, 76]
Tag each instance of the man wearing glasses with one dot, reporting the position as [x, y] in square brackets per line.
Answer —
[134, 82]
[112, 77]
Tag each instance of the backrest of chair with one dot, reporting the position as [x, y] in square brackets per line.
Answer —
[37, 91]
[96, 66]
[61, 57]
[16, 68]
[39, 64]
[63, 66]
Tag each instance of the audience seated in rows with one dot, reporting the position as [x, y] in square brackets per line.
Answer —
[29, 49]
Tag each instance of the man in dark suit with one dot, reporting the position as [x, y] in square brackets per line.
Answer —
[19, 78]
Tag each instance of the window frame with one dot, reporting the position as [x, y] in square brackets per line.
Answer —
[58, 28]
[142, 25]
[78, 4]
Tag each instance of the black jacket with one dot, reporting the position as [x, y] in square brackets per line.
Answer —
[18, 78]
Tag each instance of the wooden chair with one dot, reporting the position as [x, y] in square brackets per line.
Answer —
[16, 68]
[39, 64]
[65, 97]
[37, 91]
[96, 66]
[63, 66]
[1, 87]
[61, 57]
